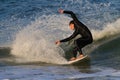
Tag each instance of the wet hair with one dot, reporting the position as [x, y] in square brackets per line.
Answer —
[71, 22]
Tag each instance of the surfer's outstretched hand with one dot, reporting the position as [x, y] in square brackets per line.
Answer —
[61, 11]
[57, 42]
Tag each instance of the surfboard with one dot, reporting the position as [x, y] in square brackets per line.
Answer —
[78, 60]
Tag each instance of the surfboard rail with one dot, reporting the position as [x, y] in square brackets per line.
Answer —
[77, 61]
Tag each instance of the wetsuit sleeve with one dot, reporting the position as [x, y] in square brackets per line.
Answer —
[70, 38]
[72, 15]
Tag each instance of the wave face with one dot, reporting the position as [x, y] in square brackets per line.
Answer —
[107, 54]
[30, 28]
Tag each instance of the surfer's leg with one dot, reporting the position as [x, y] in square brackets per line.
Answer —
[75, 52]
[80, 44]
[80, 52]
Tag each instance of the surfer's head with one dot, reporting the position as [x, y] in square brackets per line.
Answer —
[71, 25]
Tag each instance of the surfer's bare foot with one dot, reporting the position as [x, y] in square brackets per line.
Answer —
[80, 56]
[73, 58]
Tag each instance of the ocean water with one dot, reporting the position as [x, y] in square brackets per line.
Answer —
[29, 29]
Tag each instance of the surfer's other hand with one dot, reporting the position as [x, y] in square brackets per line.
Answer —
[61, 11]
[57, 42]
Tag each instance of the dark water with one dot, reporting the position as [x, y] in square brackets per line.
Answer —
[28, 30]
[108, 54]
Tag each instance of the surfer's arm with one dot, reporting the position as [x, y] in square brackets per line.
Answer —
[72, 15]
[69, 38]
[69, 12]
[75, 19]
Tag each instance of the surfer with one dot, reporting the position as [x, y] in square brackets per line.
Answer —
[79, 29]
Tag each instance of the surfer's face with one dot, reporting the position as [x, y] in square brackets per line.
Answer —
[72, 26]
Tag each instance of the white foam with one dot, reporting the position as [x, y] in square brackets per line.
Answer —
[108, 30]
[36, 42]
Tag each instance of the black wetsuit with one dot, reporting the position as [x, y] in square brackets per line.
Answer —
[80, 29]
